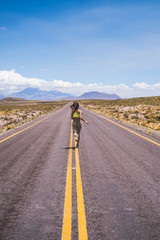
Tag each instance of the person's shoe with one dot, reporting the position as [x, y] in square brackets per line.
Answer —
[77, 145]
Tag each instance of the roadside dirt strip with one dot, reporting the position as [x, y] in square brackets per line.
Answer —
[107, 189]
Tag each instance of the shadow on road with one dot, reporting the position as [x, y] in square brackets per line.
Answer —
[69, 148]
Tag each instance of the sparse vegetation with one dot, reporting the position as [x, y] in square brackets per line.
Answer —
[141, 112]
[13, 114]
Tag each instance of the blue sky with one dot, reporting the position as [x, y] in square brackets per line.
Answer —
[79, 46]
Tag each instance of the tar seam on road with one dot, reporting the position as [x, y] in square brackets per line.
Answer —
[67, 216]
[26, 128]
[158, 144]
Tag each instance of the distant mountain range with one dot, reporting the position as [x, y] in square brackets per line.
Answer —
[37, 94]
[98, 95]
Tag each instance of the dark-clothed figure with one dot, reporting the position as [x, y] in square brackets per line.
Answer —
[76, 115]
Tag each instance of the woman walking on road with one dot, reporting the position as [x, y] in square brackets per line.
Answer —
[76, 115]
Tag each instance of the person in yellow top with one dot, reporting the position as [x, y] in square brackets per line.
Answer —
[76, 115]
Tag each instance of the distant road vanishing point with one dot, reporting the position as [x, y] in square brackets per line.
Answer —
[108, 189]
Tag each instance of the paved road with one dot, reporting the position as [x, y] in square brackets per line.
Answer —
[116, 188]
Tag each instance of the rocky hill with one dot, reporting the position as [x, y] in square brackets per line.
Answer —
[99, 95]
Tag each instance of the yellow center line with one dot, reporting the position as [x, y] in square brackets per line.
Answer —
[82, 227]
[158, 144]
[26, 128]
[67, 215]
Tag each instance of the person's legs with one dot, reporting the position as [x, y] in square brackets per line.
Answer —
[75, 131]
[78, 132]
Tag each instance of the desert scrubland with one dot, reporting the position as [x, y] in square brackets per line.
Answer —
[141, 113]
[14, 113]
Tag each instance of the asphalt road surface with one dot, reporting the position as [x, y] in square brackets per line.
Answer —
[108, 189]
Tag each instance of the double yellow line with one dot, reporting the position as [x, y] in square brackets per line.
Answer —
[67, 216]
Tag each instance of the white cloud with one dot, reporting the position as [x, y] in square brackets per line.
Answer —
[141, 85]
[11, 81]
